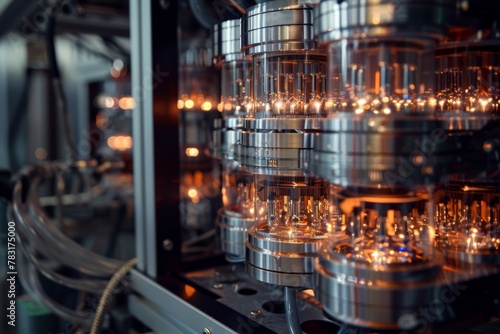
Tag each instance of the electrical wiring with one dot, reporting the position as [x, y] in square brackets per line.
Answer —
[49, 240]
[88, 285]
[30, 282]
[82, 259]
[61, 103]
[199, 238]
[38, 235]
[72, 199]
[103, 302]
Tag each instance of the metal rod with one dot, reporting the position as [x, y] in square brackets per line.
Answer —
[292, 318]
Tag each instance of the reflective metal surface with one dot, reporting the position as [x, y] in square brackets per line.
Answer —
[231, 231]
[278, 26]
[281, 262]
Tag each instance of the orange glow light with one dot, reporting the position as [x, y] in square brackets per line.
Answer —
[126, 103]
[192, 193]
[192, 152]
[206, 106]
[189, 290]
[120, 143]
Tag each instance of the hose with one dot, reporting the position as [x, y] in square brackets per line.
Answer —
[292, 317]
[103, 302]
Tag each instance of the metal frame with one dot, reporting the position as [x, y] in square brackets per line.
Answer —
[165, 312]
[155, 133]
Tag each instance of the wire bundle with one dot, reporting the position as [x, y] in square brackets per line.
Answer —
[41, 239]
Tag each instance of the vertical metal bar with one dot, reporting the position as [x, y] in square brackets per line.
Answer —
[165, 66]
[155, 132]
[138, 132]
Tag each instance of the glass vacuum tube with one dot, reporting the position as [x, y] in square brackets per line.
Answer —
[468, 76]
[288, 98]
[289, 84]
[467, 223]
[381, 76]
[381, 228]
[467, 216]
[373, 150]
[291, 208]
[236, 70]
[237, 213]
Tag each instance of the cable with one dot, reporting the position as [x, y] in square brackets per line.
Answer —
[49, 240]
[292, 317]
[199, 238]
[88, 285]
[103, 302]
[30, 282]
[61, 103]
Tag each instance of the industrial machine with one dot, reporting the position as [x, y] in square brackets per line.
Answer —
[292, 166]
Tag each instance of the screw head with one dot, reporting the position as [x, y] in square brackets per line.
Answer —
[206, 330]
[255, 313]
[168, 245]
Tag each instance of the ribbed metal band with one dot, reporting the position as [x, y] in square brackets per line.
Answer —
[277, 146]
[377, 18]
[389, 152]
[232, 232]
[227, 41]
[281, 262]
[353, 297]
[225, 136]
[277, 26]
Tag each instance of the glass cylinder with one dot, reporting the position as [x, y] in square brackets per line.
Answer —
[289, 84]
[381, 76]
[288, 97]
[237, 213]
[467, 221]
[381, 228]
[468, 77]
[291, 208]
[237, 190]
[236, 76]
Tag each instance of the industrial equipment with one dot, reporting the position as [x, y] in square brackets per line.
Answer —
[291, 166]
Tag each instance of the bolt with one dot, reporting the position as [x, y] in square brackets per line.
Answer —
[255, 313]
[206, 330]
[168, 245]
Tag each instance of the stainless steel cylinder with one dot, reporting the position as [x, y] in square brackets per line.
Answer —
[236, 216]
[288, 98]
[282, 25]
[415, 299]
[231, 232]
[281, 262]
[396, 151]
